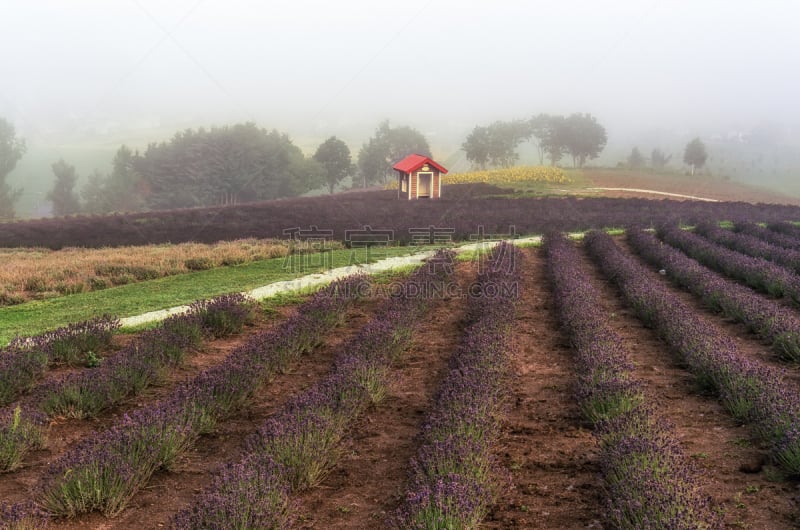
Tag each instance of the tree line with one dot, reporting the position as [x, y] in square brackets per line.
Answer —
[209, 167]
[245, 163]
[578, 135]
[694, 156]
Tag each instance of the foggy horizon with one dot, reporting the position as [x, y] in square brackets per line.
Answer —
[92, 75]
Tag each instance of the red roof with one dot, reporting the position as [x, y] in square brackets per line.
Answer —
[412, 163]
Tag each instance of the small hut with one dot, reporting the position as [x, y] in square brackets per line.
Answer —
[419, 177]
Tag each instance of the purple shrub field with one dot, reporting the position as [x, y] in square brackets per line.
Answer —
[105, 470]
[750, 245]
[297, 447]
[145, 360]
[454, 478]
[770, 236]
[380, 210]
[753, 392]
[25, 360]
[784, 227]
[767, 318]
[758, 273]
[649, 482]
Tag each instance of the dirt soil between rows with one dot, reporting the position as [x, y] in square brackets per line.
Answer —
[547, 455]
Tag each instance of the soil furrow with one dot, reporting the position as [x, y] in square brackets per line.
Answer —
[732, 466]
[370, 479]
[551, 456]
[748, 342]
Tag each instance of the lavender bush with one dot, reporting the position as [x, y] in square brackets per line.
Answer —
[20, 368]
[771, 320]
[758, 273]
[107, 469]
[25, 360]
[22, 516]
[770, 236]
[299, 445]
[145, 360]
[648, 481]
[224, 315]
[249, 494]
[454, 478]
[786, 228]
[20, 433]
[750, 245]
[755, 393]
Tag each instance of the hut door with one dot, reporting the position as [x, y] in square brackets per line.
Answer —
[424, 186]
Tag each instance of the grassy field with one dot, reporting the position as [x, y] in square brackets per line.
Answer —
[40, 273]
[37, 316]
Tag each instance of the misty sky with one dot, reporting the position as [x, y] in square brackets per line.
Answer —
[312, 67]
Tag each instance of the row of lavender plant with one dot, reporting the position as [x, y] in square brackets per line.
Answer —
[145, 360]
[758, 273]
[649, 482]
[105, 470]
[25, 360]
[753, 392]
[770, 236]
[750, 245]
[141, 363]
[785, 227]
[454, 477]
[300, 444]
[767, 318]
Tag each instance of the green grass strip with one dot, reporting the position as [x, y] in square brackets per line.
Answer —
[32, 318]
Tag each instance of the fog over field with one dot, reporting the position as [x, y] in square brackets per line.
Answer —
[80, 78]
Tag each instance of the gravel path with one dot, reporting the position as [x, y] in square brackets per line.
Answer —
[637, 190]
[318, 279]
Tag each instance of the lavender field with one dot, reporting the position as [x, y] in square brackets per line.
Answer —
[648, 380]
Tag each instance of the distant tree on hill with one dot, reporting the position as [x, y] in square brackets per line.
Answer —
[584, 138]
[334, 157]
[93, 193]
[554, 138]
[121, 191]
[496, 144]
[305, 173]
[477, 147]
[65, 201]
[11, 150]
[539, 130]
[221, 165]
[635, 159]
[659, 160]
[385, 148]
[695, 154]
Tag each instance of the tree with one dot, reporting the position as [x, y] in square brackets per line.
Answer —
[496, 144]
[695, 154]
[11, 150]
[385, 148]
[305, 173]
[222, 165]
[659, 160]
[477, 147]
[334, 156]
[539, 129]
[635, 159]
[94, 193]
[554, 139]
[65, 201]
[584, 138]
